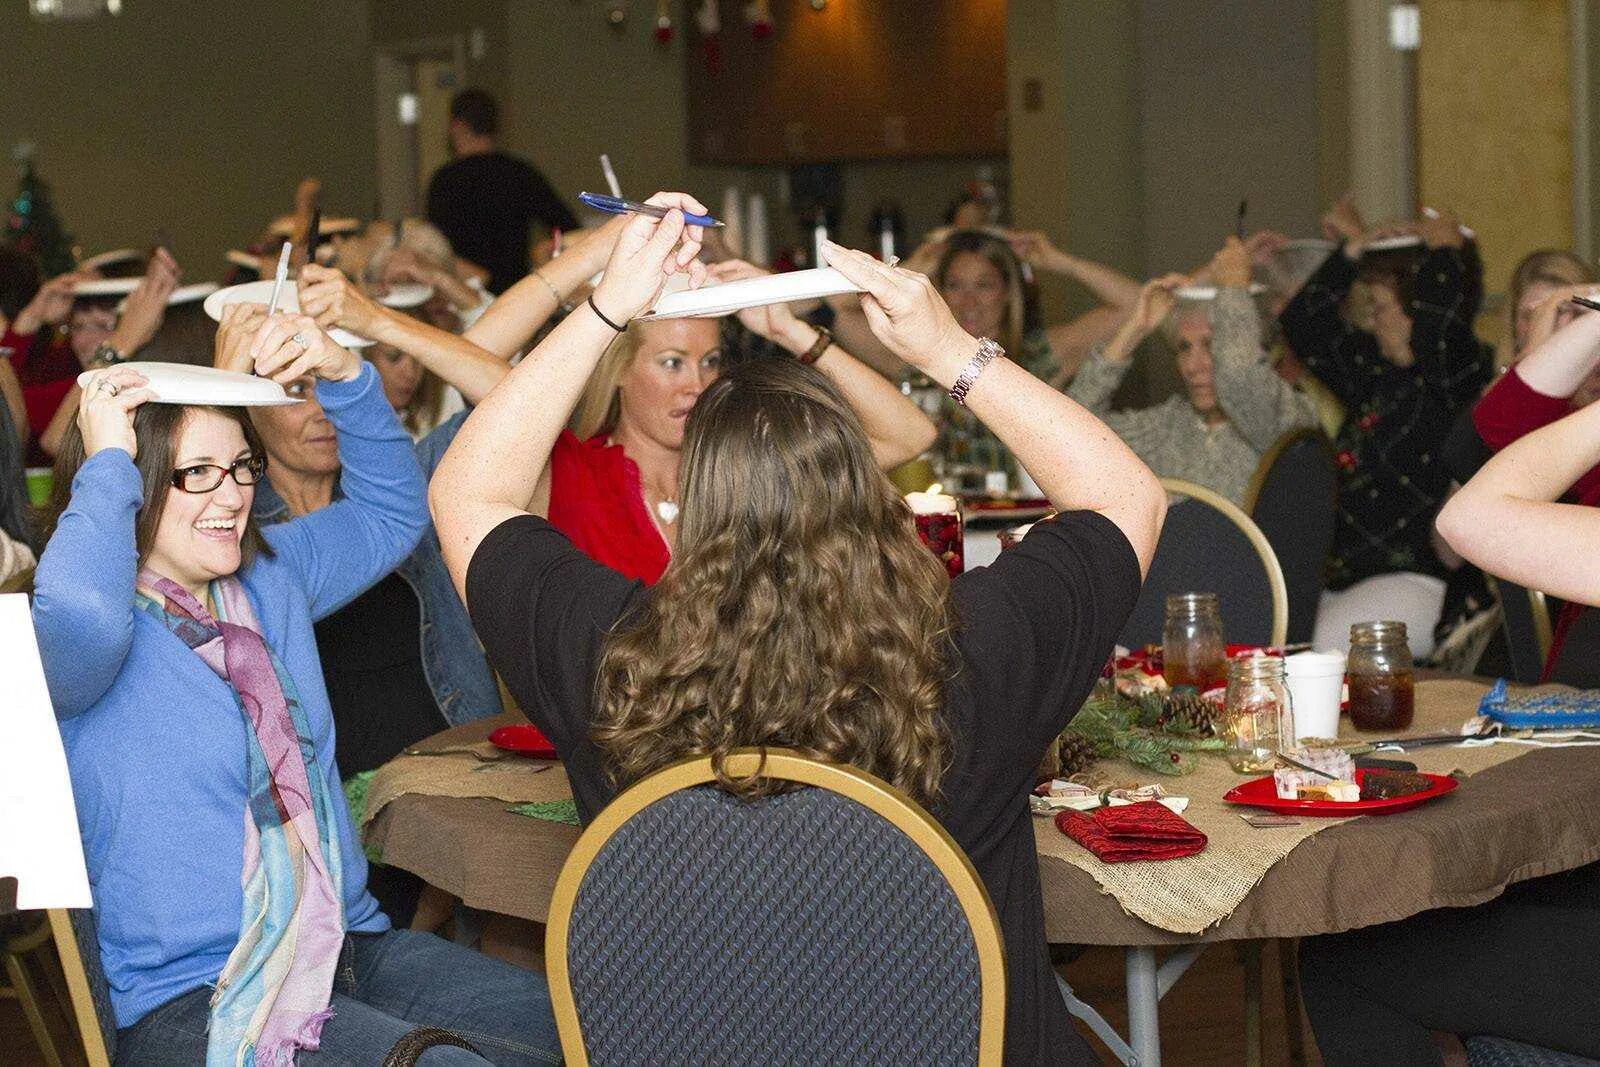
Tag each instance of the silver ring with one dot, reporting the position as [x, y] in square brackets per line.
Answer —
[299, 339]
[108, 387]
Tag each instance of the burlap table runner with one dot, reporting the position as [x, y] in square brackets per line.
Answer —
[1189, 895]
[512, 778]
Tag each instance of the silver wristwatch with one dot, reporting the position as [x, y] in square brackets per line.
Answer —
[988, 349]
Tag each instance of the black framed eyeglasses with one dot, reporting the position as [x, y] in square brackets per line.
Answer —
[204, 477]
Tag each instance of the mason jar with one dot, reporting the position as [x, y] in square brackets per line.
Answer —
[1380, 676]
[1193, 650]
[1257, 713]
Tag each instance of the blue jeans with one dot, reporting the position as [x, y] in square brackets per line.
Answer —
[387, 985]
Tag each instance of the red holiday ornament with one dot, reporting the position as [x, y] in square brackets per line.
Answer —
[1368, 421]
[758, 13]
[1347, 460]
[663, 30]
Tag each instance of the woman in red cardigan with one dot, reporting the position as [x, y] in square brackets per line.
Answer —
[1552, 381]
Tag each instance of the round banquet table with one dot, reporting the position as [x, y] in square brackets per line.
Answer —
[1533, 815]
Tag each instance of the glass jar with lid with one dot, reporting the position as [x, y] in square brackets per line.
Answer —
[1380, 675]
[1193, 650]
[1257, 713]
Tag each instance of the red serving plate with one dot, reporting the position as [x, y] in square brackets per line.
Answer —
[1261, 793]
[525, 740]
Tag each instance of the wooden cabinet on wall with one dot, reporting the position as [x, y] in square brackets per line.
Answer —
[860, 79]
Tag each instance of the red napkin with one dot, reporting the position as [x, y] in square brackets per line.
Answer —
[1147, 830]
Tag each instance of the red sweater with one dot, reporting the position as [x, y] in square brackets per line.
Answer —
[46, 376]
[1513, 409]
[596, 499]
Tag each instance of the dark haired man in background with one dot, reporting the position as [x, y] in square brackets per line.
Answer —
[486, 201]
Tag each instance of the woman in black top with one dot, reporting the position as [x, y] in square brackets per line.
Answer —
[800, 610]
[1403, 383]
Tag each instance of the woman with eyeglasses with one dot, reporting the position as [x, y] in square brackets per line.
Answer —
[231, 895]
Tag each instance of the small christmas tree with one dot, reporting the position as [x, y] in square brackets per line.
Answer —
[32, 224]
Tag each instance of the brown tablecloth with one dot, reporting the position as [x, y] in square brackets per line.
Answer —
[1537, 814]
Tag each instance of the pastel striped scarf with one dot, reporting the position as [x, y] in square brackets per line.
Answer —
[272, 997]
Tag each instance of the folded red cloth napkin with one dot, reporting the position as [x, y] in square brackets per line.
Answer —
[1147, 830]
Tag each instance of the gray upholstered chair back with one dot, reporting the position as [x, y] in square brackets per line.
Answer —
[1294, 498]
[797, 928]
[1209, 546]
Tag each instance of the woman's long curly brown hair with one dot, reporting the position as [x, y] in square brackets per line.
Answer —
[799, 611]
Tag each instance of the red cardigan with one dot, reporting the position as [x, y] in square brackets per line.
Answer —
[1513, 409]
[596, 500]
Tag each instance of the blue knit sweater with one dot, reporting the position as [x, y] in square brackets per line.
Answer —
[155, 740]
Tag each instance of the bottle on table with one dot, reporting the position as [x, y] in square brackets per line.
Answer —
[1193, 651]
[1258, 714]
[1380, 676]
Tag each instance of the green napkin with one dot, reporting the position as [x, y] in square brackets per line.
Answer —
[355, 794]
[562, 811]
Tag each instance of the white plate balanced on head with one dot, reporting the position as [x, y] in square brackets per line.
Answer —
[711, 301]
[288, 300]
[181, 383]
[1209, 292]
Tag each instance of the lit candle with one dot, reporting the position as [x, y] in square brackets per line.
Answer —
[756, 247]
[819, 236]
[934, 501]
[886, 240]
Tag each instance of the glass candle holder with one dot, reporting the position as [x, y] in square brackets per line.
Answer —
[938, 518]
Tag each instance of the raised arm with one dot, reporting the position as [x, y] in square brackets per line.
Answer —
[340, 550]
[1260, 404]
[896, 428]
[516, 316]
[1448, 293]
[1506, 520]
[1078, 462]
[493, 468]
[334, 300]
[1110, 286]
[83, 588]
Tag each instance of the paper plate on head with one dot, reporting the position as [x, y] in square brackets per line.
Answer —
[184, 294]
[406, 295]
[1308, 244]
[108, 259]
[711, 301]
[1390, 244]
[286, 226]
[105, 287]
[1209, 292]
[261, 293]
[247, 260]
[182, 383]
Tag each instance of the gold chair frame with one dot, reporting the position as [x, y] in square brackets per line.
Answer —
[1258, 541]
[1539, 606]
[867, 790]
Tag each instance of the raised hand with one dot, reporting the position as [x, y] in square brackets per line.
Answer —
[1441, 229]
[775, 322]
[647, 251]
[331, 298]
[902, 307]
[146, 306]
[105, 412]
[1343, 221]
[1230, 267]
[236, 332]
[52, 304]
[286, 347]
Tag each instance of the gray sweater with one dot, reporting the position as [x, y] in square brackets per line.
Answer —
[1173, 439]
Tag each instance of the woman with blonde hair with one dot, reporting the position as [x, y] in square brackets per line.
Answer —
[800, 609]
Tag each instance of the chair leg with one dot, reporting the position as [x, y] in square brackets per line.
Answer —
[28, 997]
[94, 1042]
[1289, 973]
[1250, 959]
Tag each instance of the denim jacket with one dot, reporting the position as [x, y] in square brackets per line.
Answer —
[452, 659]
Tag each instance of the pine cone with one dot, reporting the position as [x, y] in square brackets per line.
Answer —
[1077, 754]
[1188, 712]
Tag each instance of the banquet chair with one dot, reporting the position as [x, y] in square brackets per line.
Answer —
[1525, 617]
[1294, 497]
[1209, 545]
[833, 923]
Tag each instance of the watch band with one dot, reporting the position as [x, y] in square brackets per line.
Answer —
[987, 351]
[819, 346]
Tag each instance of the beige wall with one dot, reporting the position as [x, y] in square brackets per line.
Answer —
[173, 115]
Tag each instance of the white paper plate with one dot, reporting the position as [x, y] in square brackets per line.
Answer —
[1309, 244]
[710, 301]
[180, 383]
[105, 287]
[261, 293]
[183, 294]
[106, 259]
[1209, 292]
[1389, 244]
[247, 260]
[406, 295]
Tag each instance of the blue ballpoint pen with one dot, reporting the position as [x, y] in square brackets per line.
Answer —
[615, 205]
